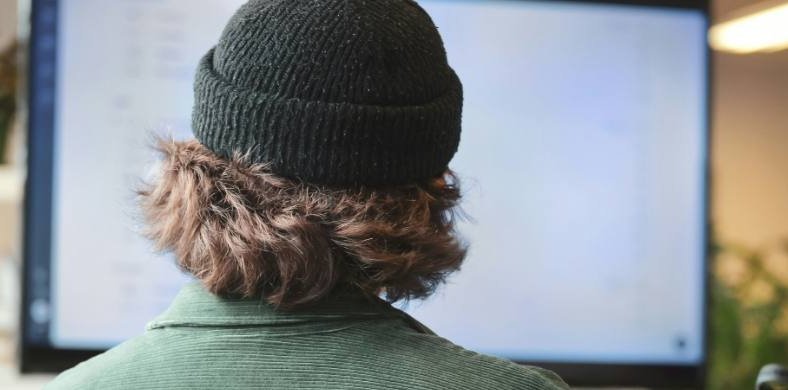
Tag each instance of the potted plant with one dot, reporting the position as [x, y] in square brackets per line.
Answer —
[749, 321]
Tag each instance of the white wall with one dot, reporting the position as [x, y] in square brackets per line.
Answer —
[10, 198]
[750, 144]
[8, 193]
[7, 21]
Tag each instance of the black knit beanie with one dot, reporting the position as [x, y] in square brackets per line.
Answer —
[336, 92]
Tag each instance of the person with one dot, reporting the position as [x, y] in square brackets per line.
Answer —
[316, 193]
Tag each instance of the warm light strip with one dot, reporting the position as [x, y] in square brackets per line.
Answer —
[764, 31]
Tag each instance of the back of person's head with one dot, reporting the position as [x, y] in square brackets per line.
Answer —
[324, 129]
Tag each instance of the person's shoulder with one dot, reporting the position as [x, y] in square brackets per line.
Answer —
[92, 373]
[458, 367]
[491, 372]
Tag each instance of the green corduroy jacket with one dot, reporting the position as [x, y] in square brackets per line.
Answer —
[206, 342]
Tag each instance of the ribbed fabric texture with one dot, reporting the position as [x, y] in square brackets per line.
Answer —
[331, 91]
[204, 342]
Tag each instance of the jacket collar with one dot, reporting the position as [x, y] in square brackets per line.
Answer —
[194, 306]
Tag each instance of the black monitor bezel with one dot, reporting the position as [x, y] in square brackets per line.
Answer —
[35, 357]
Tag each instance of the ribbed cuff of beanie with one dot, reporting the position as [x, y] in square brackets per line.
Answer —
[326, 142]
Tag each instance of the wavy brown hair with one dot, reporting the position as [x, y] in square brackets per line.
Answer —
[244, 231]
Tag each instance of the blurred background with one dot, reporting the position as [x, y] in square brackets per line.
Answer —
[749, 191]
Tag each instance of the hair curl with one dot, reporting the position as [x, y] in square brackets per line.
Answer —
[244, 231]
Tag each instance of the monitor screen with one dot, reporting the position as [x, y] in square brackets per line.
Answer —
[582, 161]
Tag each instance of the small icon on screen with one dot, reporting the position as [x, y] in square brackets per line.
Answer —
[680, 343]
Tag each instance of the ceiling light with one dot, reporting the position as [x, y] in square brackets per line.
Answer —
[764, 30]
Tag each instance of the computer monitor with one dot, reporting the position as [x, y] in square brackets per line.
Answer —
[583, 162]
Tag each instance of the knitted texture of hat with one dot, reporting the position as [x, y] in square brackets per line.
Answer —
[338, 92]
